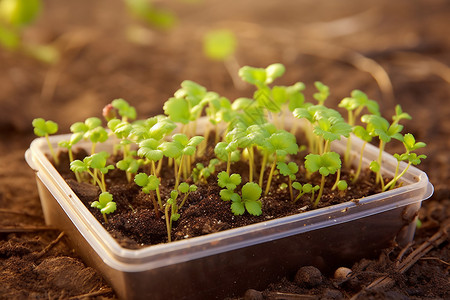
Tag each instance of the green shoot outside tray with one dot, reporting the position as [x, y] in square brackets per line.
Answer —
[259, 145]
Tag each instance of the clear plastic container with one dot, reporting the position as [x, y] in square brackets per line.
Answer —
[225, 264]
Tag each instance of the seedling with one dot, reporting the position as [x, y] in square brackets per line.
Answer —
[93, 165]
[105, 204]
[227, 152]
[380, 127]
[288, 170]
[201, 173]
[15, 16]
[229, 182]
[327, 163]
[413, 159]
[130, 165]
[91, 129]
[305, 189]
[354, 105]
[149, 184]
[186, 189]
[280, 144]
[362, 133]
[146, 11]
[45, 128]
[248, 201]
[323, 92]
[74, 138]
[149, 149]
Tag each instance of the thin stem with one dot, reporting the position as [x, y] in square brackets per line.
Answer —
[263, 167]
[250, 163]
[155, 205]
[379, 177]
[184, 200]
[177, 181]
[169, 229]
[229, 163]
[338, 177]
[158, 169]
[358, 171]
[290, 189]
[52, 151]
[157, 188]
[392, 183]
[104, 217]
[269, 180]
[322, 184]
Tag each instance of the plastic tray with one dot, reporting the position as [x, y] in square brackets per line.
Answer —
[225, 264]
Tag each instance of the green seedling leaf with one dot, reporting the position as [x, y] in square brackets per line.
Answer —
[251, 192]
[362, 133]
[183, 187]
[342, 185]
[255, 76]
[323, 92]
[289, 169]
[105, 203]
[146, 11]
[129, 165]
[282, 143]
[227, 195]
[228, 181]
[126, 111]
[43, 128]
[150, 149]
[219, 44]
[410, 143]
[19, 13]
[274, 71]
[238, 208]
[400, 115]
[327, 163]
[374, 166]
[178, 110]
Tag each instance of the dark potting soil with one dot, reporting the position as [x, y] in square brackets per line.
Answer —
[134, 224]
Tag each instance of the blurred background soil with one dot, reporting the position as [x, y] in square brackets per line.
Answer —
[397, 52]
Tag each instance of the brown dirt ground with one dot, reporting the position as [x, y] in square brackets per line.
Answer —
[316, 40]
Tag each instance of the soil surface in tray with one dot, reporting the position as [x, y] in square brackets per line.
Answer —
[134, 223]
[345, 44]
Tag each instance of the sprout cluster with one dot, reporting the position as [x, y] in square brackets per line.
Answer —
[265, 132]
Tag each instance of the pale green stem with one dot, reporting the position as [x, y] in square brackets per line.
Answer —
[322, 184]
[338, 177]
[169, 228]
[269, 180]
[52, 151]
[250, 163]
[379, 176]
[263, 167]
[392, 183]
[96, 180]
[158, 195]
[358, 171]
[184, 200]
[177, 181]
[290, 189]
[104, 217]
[326, 146]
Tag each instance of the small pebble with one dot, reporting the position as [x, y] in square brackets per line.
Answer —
[308, 276]
[342, 273]
[252, 294]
